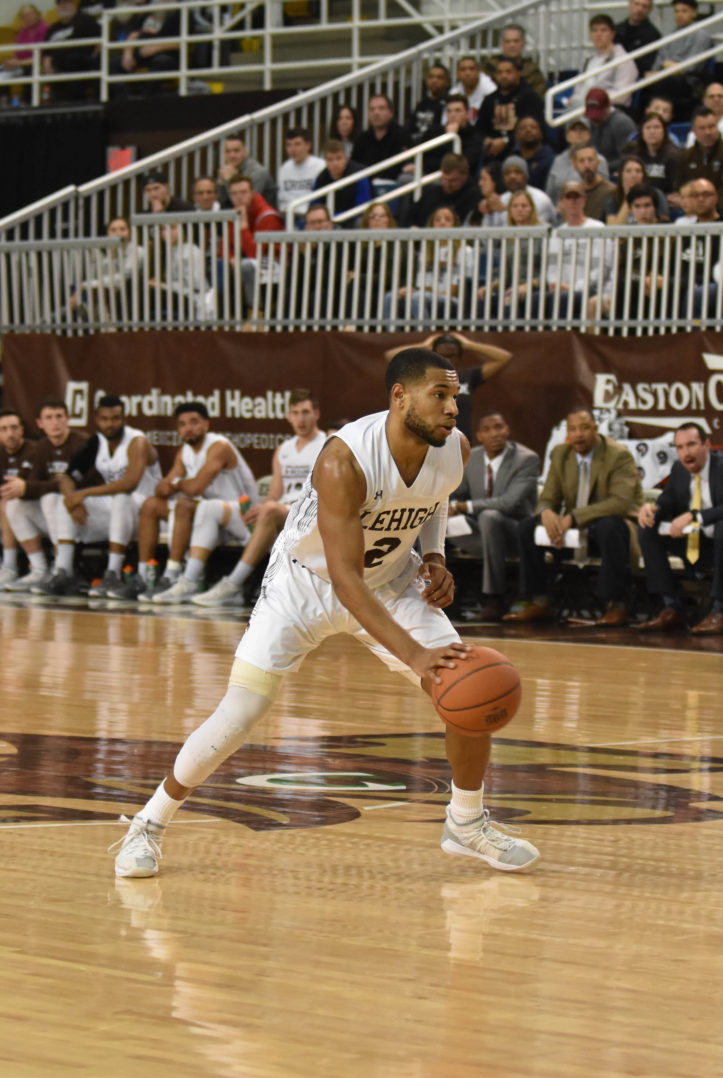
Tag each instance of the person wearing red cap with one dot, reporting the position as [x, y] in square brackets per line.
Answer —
[609, 127]
[618, 79]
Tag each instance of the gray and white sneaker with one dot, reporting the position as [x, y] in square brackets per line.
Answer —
[26, 583]
[131, 587]
[480, 839]
[161, 585]
[139, 851]
[100, 591]
[7, 576]
[224, 593]
[61, 584]
[180, 592]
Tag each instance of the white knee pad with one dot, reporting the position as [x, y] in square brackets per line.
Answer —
[220, 735]
[207, 523]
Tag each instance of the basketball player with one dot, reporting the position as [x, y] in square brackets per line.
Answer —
[31, 503]
[127, 464]
[206, 470]
[345, 562]
[16, 462]
[292, 463]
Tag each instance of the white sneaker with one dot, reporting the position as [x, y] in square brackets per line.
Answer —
[6, 577]
[140, 848]
[480, 839]
[180, 592]
[30, 580]
[224, 593]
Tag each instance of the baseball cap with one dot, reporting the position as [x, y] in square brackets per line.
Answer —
[572, 185]
[155, 176]
[581, 121]
[596, 103]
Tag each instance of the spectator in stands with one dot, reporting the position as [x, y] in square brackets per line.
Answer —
[126, 464]
[298, 172]
[72, 25]
[538, 155]
[638, 263]
[255, 215]
[338, 166]
[292, 462]
[458, 123]
[521, 213]
[236, 162]
[473, 83]
[615, 82]
[114, 272]
[425, 119]
[713, 100]
[374, 264]
[592, 485]
[454, 189]
[663, 105]
[658, 153]
[144, 53]
[692, 499]
[705, 156]
[577, 133]
[205, 194]
[157, 194]
[617, 210]
[316, 265]
[443, 279]
[515, 177]
[637, 30]
[182, 291]
[489, 360]
[383, 138]
[489, 209]
[685, 198]
[685, 88]
[33, 29]
[704, 252]
[345, 127]
[498, 489]
[610, 128]
[16, 461]
[568, 280]
[31, 501]
[511, 100]
[597, 190]
[512, 46]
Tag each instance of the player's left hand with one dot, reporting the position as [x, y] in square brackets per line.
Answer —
[439, 588]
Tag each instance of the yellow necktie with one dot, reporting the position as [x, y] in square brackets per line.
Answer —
[693, 549]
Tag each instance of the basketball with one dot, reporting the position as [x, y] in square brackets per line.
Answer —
[480, 695]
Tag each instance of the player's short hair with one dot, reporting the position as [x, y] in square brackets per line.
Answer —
[447, 341]
[110, 400]
[411, 365]
[489, 413]
[190, 406]
[704, 435]
[299, 395]
[578, 408]
[10, 411]
[52, 402]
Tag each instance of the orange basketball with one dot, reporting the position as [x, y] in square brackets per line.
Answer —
[480, 695]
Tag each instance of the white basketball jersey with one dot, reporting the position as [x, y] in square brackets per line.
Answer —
[392, 513]
[113, 466]
[296, 465]
[230, 483]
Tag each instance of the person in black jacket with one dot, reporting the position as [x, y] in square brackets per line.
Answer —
[501, 110]
[72, 25]
[692, 499]
[637, 30]
[382, 139]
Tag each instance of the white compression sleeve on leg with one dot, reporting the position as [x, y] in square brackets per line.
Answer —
[123, 520]
[220, 735]
[207, 524]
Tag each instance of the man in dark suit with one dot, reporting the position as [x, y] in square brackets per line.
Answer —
[498, 489]
[592, 485]
[692, 499]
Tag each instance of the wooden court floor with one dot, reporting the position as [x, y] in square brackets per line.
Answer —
[305, 923]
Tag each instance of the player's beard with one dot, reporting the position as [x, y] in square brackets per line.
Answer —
[423, 430]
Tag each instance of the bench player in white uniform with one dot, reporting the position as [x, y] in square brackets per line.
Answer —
[128, 465]
[292, 463]
[345, 563]
[206, 467]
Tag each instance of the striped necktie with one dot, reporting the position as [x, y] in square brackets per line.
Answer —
[692, 552]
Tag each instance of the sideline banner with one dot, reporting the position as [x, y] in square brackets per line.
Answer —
[643, 387]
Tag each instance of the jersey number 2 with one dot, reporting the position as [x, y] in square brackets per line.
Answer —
[380, 550]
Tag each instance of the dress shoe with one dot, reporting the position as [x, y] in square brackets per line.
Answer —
[615, 615]
[492, 609]
[668, 620]
[532, 612]
[709, 626]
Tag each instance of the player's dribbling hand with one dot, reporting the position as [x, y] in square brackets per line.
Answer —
[430, 659]
[439, 587]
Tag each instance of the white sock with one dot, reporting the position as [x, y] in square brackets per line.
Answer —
[466, 805]
[37, 560]
[194, 569]
[115, 563]
[161, 808]
[64, 557]
[172, 570]
[242, 572]
[10, 558]
[142, 569]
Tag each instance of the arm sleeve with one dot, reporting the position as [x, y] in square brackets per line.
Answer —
[433, 531]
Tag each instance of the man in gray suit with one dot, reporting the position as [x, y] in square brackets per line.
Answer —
[498, 489]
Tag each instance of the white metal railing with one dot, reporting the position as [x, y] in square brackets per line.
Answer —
[401, 77]
[564, 116]
[631, 280]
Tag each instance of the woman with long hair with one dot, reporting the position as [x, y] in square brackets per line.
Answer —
[345, 127]
[657, 151]
[617, 210]
[372, 273]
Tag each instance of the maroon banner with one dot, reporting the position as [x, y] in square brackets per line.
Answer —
[654, 383]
